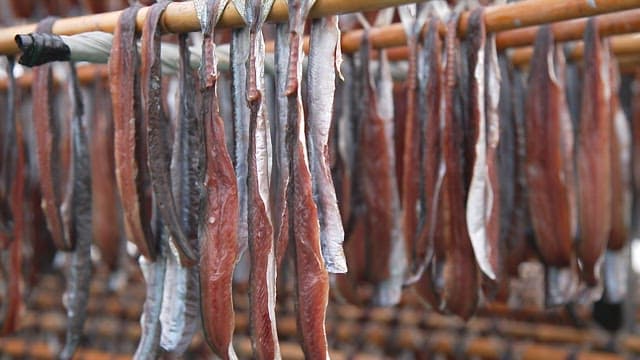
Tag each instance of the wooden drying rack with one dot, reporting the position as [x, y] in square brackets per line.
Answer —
[181, 17]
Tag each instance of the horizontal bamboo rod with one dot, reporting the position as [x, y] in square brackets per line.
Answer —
[621, 45]
[622, 22]
[520, 14]
[181, 17]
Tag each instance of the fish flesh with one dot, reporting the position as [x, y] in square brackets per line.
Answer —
[460, 272]
[219, 227]
[49, 157]
[129, 137]
[593, 156]
[548, 164]
[263, 264]
[312, 279]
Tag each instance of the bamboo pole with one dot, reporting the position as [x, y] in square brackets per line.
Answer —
[621, 45]
[181, 17]
[527, 13]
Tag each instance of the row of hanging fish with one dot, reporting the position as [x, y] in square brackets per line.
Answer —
[490, 168]
[442, 184]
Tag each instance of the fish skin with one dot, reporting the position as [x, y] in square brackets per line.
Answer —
[129, 139]
[12, 258]
[482, 210]
[593, 157]
[546, 163]
[187, 174]
[460, 272]
[312, 280]
[280, 176]
[239, 49]
[218, 238]
[76, 298]
[48, 138]
[263, 263]
[323, 62]
[153, 273]
[157, 145]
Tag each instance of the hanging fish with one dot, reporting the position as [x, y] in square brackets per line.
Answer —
[324, 60]
[48, 140]
[239, 49]
[312, 281]
[129, 135]
[460, 272]
[156, 127]
[432, 167]
[263, 263]
[280, 176]
[549, 163]
[593, 156]
[105, 209]
[180, 310]
[76, 297]
[413, 18]
[154, 278]
[11, 256]
[482, 210]
[620, 166]
[219, 227]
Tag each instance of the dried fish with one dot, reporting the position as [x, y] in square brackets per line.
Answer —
[324, 60]
[312, 281]
[154, 277]
[549, 163]
[263, 264]
[460, 293]
[240, 46]
[11, 257]
[413, 18]
[48, 139]
[76, 298]
[219, 228]
[482, 210]
[180, 312]
[157, 145]
[620, 167]
[105, 209]
[281, 158]
[129, 135]
[593, 156]
[432, 167]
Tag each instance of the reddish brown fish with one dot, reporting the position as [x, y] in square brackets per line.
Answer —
[432, 168]
[48, 139]
[104, 189]
[460, 293]
[129, 139]
[547, 161]
[620, 166]
[218, 231]
[12, 302]
[312, 280]
[593, 156]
